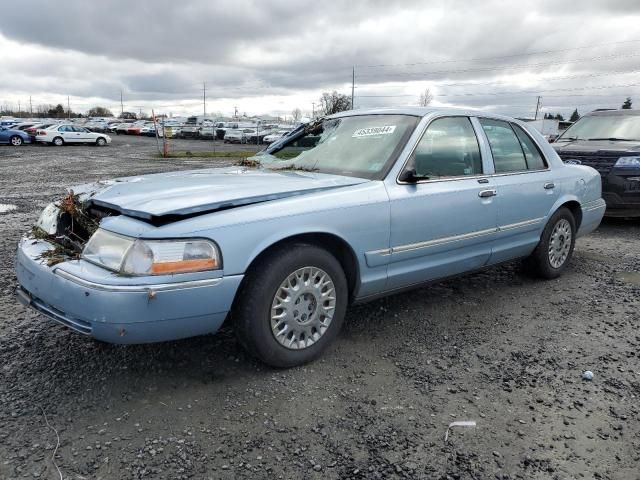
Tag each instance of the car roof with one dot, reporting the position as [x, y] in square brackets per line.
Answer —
[421, 112]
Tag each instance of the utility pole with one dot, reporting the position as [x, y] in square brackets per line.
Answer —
[68, 108]
[30, 106]
[204, 99]
[19, 109]
[537, 108]
[353, 85]
[121, 105]
[235, 115]
[313, 114]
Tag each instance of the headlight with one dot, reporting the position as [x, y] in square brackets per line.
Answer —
[628, 162]
[151, 257]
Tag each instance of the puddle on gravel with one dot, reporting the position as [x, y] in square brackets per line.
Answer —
[632, 278]
[7, 207]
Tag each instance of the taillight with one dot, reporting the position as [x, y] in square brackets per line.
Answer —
[42, 132]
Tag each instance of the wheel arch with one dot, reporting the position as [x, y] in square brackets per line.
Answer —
[572, 203]
[331, 242]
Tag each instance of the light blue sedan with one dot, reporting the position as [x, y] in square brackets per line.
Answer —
[349, 208]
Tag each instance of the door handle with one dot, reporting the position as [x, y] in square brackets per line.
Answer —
[549, 185]
[487, 193]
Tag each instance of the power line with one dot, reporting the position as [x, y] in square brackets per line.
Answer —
[543, 52]
[506, 67]
[503, 82]
[518, 92]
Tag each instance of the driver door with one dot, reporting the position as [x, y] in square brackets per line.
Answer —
[444, 222]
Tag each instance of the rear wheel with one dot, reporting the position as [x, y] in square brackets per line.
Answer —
[58, 141]
[552, 255]
[291, 305]
[16, 141]
[101, 142]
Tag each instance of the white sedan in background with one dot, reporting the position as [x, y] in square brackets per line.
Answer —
[272, 137]
[66, 133]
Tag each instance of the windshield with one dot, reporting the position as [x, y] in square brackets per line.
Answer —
[359, 146]
[605, 127]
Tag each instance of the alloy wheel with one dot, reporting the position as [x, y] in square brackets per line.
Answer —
[303, 308]
[560, 243]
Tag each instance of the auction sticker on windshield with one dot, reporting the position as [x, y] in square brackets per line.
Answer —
[373, 131]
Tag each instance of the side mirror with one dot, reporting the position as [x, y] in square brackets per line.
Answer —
[409, 176]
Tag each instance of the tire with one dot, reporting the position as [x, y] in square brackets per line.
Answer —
[16, 141]
[58, 141]
[101, 142]
[306, 332]
[554, 251]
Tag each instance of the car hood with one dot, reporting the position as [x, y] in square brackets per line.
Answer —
[585, 146]
[194, 192]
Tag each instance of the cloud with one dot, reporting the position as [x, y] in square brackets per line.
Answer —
[268, 56]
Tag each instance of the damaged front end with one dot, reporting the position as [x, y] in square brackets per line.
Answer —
[67, 225]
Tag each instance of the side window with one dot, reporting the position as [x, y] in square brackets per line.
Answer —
[449, 148]
[505, 146]
[535, 160]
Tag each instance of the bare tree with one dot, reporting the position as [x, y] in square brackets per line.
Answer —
[334, 102]
[425, 97]
[296, 114]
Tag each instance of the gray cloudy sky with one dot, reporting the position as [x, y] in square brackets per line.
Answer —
[273, 56]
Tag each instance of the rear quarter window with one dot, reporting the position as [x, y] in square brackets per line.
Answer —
[535, 159]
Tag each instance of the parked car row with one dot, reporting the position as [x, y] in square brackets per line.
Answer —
[53, 133]
[195, 127]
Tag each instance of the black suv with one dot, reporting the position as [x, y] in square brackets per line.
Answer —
[608, 141]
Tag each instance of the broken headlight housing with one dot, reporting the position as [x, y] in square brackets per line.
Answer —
[130, 256]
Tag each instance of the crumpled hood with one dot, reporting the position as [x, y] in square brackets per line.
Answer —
[198, 191]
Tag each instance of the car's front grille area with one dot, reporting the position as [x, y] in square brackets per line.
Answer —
[602, 162]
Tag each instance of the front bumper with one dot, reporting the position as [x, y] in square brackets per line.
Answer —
[621, 191]
[116, 309]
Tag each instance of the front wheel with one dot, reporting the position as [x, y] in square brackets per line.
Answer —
[16, 141]
[291, 305]
[552, 255]
[101, 142]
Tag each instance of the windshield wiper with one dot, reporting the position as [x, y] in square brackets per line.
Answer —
[614, 139]
[567, 139]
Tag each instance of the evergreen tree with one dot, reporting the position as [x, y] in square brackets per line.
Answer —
[575, 116]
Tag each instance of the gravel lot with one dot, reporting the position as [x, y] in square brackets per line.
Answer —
[497, 347]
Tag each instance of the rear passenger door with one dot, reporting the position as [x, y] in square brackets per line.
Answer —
[525, 191]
